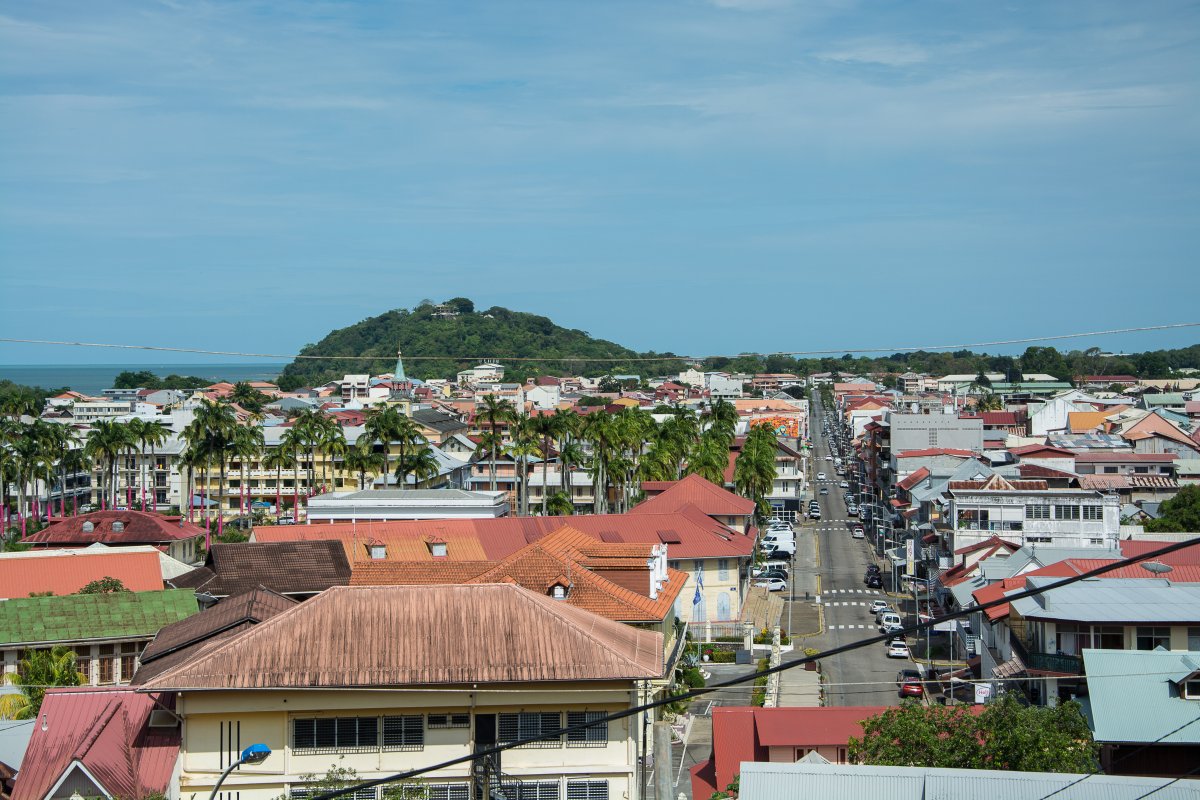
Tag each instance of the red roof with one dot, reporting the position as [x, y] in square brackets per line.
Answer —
[140, 527]
[999, 418]
[1132, 548]
[994, 542]
[1030, 449]
[912, 480]
[1039, 471]
[695, 491]
[699, 536]
[934, 451]
[68, 571]
[105, 729]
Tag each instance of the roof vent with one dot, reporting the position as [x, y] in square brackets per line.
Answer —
[118, 527]
[88, 527]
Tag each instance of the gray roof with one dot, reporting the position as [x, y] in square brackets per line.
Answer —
[438, 420]
[1126, 600]
[14, 740]
[1133, 696]
[766, 781]
[408, 494]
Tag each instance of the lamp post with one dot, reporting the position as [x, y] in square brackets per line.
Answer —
[254, 754]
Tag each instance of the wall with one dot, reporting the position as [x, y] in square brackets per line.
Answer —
[921, 431]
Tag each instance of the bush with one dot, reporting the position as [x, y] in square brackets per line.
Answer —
[724, 657]
[693, 678]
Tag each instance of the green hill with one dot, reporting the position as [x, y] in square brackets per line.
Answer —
[439, 346]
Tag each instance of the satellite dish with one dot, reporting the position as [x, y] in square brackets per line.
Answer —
[1157, 567]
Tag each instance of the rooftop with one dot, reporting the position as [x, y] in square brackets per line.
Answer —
[420, 635]
[1125, 600]
[73, 618]
[136, 527]
[694, 490]
[296, 567]
[1133, 697]
[67, 571]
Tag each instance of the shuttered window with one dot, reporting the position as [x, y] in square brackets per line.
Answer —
[593, 736]
[514, 727]
[1037, 512]
[587, 790]
[1093, 513]
[404, 733]
[448, 791]
[536, 790]
[304, 792]
[336, 734]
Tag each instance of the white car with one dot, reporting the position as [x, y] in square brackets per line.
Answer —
[844, 484]
[897, 650]
[829, 458]
[857, 533]
[878, 605]
[779, 585]
[820, 476]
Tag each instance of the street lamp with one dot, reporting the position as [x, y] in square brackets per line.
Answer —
[254, 754]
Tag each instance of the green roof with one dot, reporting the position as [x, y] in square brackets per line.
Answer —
[76, 617]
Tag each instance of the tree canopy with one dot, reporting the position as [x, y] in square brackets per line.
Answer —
[145, 379]
[1005, 735]
[1180, 514]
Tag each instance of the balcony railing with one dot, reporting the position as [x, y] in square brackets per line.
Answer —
[1046, 662]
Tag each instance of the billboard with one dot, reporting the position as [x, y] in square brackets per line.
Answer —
[783, 426]
[910, 556]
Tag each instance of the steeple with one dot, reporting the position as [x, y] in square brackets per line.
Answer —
[398, 376]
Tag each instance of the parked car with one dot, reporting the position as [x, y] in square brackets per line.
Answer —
[772, 574]
[897, 650]
[772, 584]
[874, 581]
[909, 681]
[844, 484]
[782, 549]
[857, 533]
[878, 605]
[887, 609]
[824, 490]
[873, 569]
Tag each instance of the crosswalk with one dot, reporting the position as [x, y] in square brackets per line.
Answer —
[872, 592]
[827, 597]
[851, 627]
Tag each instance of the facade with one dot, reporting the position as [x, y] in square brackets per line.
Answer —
[1027, 512]
[923, 431]
[474, 666]
[399, 504]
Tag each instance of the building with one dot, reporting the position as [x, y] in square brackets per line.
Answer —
[400, 504]
[298, 570]
[922, 431]
[101, 742]
[473, 666]
[176, 537]
[62, 572]
[1162, 690]
[355, 387]
[1029, 512]
[484, 373]
[106, 631]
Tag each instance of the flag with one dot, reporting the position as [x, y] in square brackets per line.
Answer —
[696, 599]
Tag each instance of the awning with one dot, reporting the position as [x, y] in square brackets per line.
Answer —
[1012, 668]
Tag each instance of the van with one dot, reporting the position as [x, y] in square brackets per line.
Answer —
[889, 621]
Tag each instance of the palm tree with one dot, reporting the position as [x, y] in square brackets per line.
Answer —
[408, 439]
[333, 445]
[384, 426]
[293, 442]
[545, 426]
[709, 459]
[494, 412]
[36, 671]
[279, 458]
[150, 434]
[247, 396]
[10, 431]
[191, 458]
[600, 433]
[219, 424]
[754, 471]
[560, 505]
[74, 461]
[420, 462]
[362, 458]
[247, 445]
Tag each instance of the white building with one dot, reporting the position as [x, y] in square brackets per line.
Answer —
[383, 505]
[484, 373]
[1027, 512]
[722, 386]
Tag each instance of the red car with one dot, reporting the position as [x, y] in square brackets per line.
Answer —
[909, 681]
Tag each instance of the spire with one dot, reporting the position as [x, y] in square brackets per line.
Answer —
[398, 376]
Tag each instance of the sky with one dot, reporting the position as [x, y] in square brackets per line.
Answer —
[700, 177]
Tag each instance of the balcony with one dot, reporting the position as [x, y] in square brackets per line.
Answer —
[1045, 663]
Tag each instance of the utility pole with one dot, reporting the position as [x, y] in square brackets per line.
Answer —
[662, 761]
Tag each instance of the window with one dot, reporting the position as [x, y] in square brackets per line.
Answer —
[1093, 513]
[1108, 637]
[587, 790]
[128, 659]
[1150, 638]
[1193, 639]
[595, 736]
[722, 569]
[448, 791]
[1141, 470]
[404, 733]
[514, 727]
[1039, 539]
[1066, 512]
[462, 720]
[723, 611]
[303, 793]
[331, 734]
[673, 564]
[1191, 689]
[1037, 512]
[106, 663]
[698, 567]
[1110, 470]
[535, 790]
[88, 527]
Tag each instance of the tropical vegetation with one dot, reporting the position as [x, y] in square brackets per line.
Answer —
[38, 670]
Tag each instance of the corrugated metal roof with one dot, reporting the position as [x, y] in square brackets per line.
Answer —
[1132, 696]
[105, 729]
[138, 527]
[284, 567]
[418, 635]
[1128, 600]
[696, 491]
[73, 618]
[761, 781]
[22, 574]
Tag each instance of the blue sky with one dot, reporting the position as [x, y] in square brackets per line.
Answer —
[704, 177]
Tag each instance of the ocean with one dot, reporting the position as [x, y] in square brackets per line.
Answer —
[94, 378]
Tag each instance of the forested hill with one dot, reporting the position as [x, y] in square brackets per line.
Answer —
[496, 333]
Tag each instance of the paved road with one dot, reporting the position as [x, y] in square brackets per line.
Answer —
[860, 677]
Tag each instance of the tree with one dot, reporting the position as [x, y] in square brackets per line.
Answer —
[151, 434]
[560, 505]
[248, 397]
[493, 413]
[418, 460]
[1045, 360]
[362, 458]
[461, 304]
[384, 427]
[279, 459]
[1006, 735]
[754, 471]
[105, 585]
[37, 670]
[1180, 514]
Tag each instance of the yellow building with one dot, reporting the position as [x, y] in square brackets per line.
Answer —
[385, 679]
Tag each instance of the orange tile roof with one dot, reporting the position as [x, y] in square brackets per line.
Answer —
[704, 495]
[1084, 421]
[416, 573]
[66, 572]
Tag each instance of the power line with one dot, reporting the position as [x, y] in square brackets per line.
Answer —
[694, 693]
[606, 359]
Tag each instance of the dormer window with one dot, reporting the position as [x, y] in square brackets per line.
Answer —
[378, 551]
[1190, 689]
[118, 527]
[558, 591]
[88, 527]
[438, 549]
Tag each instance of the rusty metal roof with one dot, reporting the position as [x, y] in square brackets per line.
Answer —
[284, 567]
[378, 636]
[137, 527]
